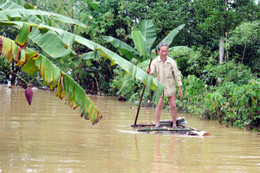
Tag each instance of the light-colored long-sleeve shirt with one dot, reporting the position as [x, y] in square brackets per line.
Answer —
[167, 73]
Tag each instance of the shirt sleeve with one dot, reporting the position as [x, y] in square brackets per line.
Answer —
[177, 74]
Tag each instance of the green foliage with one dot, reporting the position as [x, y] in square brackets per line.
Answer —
[4, 70]
[247, 32]
[244, 46]
[214, 17]
[194, 92]
[191, 61]
[228, 72]
[166, 15]
[111, 19]
[143, 38]
[92, 73]
[230, 103]
[202, 63]
[237, 105]
[124, 86]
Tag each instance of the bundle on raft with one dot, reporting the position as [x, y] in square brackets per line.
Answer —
[166, 126]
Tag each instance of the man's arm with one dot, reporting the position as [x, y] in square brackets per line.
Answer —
[180, 92]
[177, 76]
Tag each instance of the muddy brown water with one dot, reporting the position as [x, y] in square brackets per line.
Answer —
[51, 137]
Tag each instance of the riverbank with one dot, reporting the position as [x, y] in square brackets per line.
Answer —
[229, 104]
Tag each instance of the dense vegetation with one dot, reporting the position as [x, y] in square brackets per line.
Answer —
[217, 52]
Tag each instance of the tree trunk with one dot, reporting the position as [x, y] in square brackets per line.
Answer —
[221, 49]
[13, 76]
[226, 47]
[222, 37]
[244, 51]
[98, 88]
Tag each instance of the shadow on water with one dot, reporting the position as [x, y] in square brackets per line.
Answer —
[50, 137]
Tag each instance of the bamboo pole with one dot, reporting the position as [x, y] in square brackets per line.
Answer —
[141, 98]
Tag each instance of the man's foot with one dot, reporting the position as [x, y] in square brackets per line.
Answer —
[157, 126]
[175, 127]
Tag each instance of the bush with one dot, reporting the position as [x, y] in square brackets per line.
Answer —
[194, 91]
[233, 104]
[125, 87]
[192, 61]
[228, 72]
[236, 105]
[4, 70]
[244, 46]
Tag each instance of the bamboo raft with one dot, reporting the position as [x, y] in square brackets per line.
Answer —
[165, 127]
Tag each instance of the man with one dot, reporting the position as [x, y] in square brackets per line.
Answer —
[167, 73]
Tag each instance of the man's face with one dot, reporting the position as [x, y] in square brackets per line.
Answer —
[163, 52]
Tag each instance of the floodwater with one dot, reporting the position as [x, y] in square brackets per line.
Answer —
[48, 136]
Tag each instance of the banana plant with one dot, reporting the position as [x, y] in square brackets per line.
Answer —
[41, 28]
[143, 38]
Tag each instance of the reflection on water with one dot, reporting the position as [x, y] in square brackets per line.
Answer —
[164, 163]
[51, 137]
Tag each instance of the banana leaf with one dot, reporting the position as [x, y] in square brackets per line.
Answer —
[53, 77]
[7, 14]
[32, 64]
[140, 42]
[136, 72]
[45, 36]
[143, 39]
[124, 49]
[147, 29]
[62, 45]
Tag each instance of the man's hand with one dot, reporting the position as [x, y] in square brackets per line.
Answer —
[180, 92]
[148, 70]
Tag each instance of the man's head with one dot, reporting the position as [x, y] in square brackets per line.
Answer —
[163, 50]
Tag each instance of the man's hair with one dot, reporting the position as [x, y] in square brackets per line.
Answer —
[161, 45]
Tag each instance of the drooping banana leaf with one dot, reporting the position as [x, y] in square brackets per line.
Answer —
[62, 45]
[89, 55]
[136, 72]
[51, 44]
[8, 14]
[53, 77]
[19, 2]
[10, 10]
[23, 34]
[125, 49]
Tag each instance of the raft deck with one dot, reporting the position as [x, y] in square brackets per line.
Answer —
[165, 127]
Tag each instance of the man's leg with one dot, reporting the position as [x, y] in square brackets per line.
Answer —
[173, 109]
[158, 111]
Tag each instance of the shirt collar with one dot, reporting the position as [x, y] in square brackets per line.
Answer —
[160, 60]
